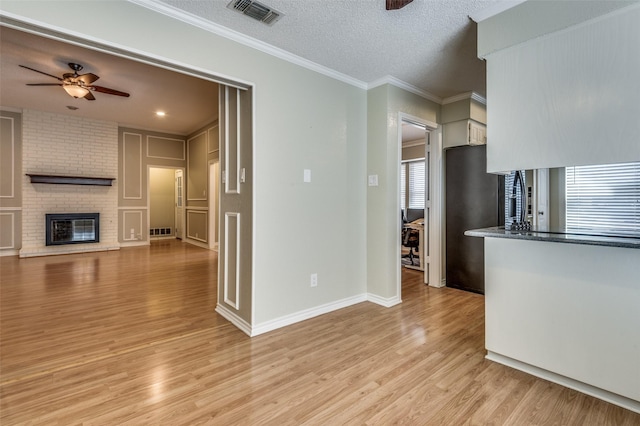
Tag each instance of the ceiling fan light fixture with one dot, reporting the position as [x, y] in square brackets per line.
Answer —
[75, 90]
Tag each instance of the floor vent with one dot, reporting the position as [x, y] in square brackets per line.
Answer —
[160, 231]
[256, 10]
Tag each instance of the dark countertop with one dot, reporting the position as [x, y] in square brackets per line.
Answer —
[594, 240]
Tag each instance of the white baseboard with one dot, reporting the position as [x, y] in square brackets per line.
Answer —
[196, 243]
[9, 252]
[306, 314]
[387, 302]
[135, 244]
[602, 394]
[234, 319]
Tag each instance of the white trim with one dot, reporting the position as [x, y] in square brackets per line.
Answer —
[493, 10]
[135, 243]
[65, 35]
[436, 187]
[567, 382]
[4, 253]
[226, 175]
[10, 209]
[387, 302]
[204, 132]
[124, 166]
[195, 243]
[306, 314]
[468, 95]
[433, 204]
[245, 40]
[209, 130]
[12, 215]
[405, 86]
[234, 319]
[188, 211]
[200, 208]
[124, 221]
[13, 157]
[234, 304]
[133, 208]
[168, 139]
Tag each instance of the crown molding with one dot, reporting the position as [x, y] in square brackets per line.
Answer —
[245, 40]
[468, 95]
[405, 86]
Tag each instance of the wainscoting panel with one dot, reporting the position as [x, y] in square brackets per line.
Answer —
[132, 166]
[197, 225]
[132, 221]
[232, 259]
[213, 139]
[7, 230]
[7, 157]
[232, 139]
[166, 148]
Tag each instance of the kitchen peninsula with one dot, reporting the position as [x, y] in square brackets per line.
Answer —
[565, 308]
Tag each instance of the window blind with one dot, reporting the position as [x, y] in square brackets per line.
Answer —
[416, 185]
[403, 186]
[603, 198]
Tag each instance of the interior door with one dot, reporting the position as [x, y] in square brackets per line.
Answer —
[236, 198]
[179, 203]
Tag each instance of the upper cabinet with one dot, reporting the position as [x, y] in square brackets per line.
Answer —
[464, 132]
[564, 95]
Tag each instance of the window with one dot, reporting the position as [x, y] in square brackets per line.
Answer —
[604, 198]
[412, 176]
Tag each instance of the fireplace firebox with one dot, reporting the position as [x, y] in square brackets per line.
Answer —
[72, 228]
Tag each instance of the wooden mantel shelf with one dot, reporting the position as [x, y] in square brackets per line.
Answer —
[71, 180]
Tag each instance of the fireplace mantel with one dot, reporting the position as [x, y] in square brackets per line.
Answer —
[71, 180]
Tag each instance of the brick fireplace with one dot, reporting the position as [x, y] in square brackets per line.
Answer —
[65, 145]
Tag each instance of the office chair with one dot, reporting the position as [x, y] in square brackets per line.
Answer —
[411, 239]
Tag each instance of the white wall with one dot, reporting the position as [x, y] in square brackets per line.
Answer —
[65, 145]
[566, 98]
[302, 120]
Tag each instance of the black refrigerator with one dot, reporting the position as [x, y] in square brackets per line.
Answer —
[473, 199]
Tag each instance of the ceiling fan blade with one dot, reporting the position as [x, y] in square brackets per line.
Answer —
[44, 84]
[108, 91]
[88, 78]
[397, 4]
[41, 72]
[89, 96]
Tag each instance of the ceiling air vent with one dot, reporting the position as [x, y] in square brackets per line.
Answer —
[256, 10]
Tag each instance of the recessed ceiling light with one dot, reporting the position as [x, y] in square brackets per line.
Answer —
[161, 113]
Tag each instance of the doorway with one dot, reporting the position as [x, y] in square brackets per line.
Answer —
[166, 202]
[418, 200]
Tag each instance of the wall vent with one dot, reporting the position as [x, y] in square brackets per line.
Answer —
[256, 10]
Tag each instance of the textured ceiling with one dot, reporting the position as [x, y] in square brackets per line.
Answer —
[429, 44]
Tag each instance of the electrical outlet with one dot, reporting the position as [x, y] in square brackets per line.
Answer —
[314, 280]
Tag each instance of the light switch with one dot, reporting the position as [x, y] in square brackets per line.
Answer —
[307, 175]
[373, 180]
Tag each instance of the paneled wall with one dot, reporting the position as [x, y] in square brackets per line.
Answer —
[202, 149]
[10, 182]
[139, 150]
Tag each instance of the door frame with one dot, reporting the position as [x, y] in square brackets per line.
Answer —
[152, 166]
[434, 204]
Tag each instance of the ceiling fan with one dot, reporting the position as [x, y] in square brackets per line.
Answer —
[77, 85]
[397, 4]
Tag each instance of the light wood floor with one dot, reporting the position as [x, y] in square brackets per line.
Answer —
[131, 338]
